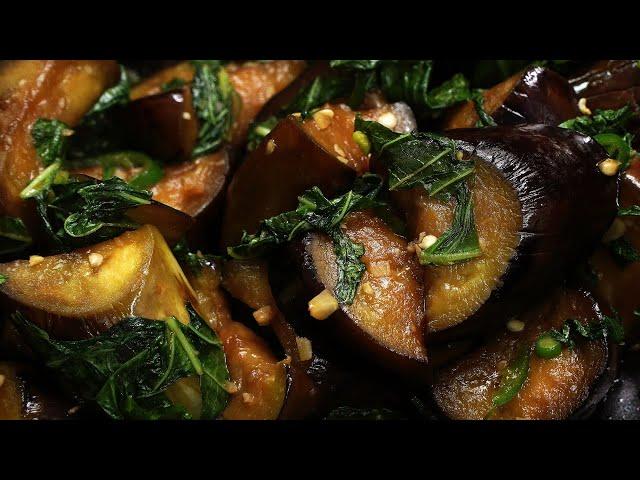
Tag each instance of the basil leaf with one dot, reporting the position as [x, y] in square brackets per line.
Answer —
[623, 251]
[14, 236]
[601, 121]
[572, 329]
[127, 369]
[633, 210]
[116, 95]
[50, 139]
[416, 159]
[460, 242]
[316, 212]
[212, 101]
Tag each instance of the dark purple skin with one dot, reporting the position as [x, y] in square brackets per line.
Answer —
[567, 204]
[541, 96]
[605, 77]
[157, 125]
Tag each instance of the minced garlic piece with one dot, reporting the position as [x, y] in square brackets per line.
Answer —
[323, 118]
[95, 259]
[323, 305]
[264, 315]
[35, 260]
[304, 349]
[609, 167]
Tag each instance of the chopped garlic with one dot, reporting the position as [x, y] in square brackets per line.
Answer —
[582, 105]
[388, 119]
[304, 349]
[95, 259]
[367, 288]
[609, 167]
[35, 260]
[271, 146]
[515, 326]
[247, 397]
[231, 387]
[427, 241]
[323, 118]
[264, 315]
[323, 305]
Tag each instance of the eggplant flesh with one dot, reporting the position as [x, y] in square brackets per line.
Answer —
[564, 206]
[71, 298]
[536, 95]
[554, 388]
[295, 156]
[385, 320]
[260, 377]
[31, 89]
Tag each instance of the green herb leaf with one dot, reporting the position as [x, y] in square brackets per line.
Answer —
[623, 251]
[416, 159]
[316, 212]
[116, 95]
[194, 261]
[513, 378]
[355, 64]
[484, 119]
[14, 236]
[3, 278]
[601, 121]
[260, 130]
[633, 210]
[213, 102]
[572, 329]
[460, 242]
[173, 84]
[127, 369]
[351, 413]
[50, 139]
[323, 89]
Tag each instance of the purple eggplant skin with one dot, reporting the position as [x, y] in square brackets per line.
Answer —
[605, 77]
[566, 202]
[541, 96]
[536, 95]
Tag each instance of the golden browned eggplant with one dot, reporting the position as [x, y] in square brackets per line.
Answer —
[82, 293]
[259, 376]
[554, 388]
[297, 155]
[536, 95]
[31, 89]
[540, 205]
[385, 320]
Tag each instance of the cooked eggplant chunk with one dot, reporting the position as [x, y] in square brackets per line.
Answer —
[260, 378]
[540, 205]
[605, 77]
[26, 395]
[32, 89]
[537, 95]
[553, 389]
[191, 187]
[298, 155]
[385, 320]
[617, 282]
[254, 82]
[82, 293]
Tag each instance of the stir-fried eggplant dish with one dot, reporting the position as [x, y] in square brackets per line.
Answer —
[343, 239]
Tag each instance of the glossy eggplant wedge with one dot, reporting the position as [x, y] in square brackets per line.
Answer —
[26, 395]
[254, 83]
[295, 156]
[609, 84]
[616, 281]
[549, 388]
[260, 379]
[248, 282]
[32, 89]
[540, 203]
[385, 320]
[536, 95]
[84, 292]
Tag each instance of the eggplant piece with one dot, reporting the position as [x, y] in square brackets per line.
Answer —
[25, 394]
[248, 281]
[554, 388]
[254, 82]
[385, 320]
[261, 379]
[295, 156]
[540, 205]
[536, 95]
[32, 89]
[193, 187]
[617, 283]
[134, 274]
